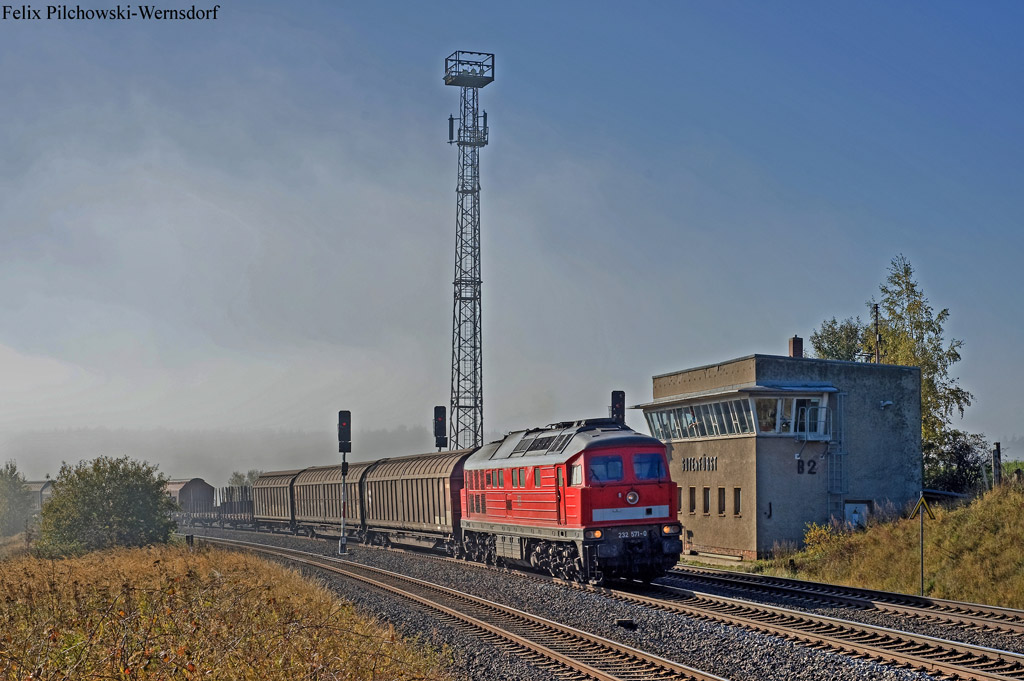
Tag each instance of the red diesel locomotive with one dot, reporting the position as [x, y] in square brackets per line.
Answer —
[585, 500]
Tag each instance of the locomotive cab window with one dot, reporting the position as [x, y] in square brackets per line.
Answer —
[501, 477]
[577, 475]
[606, 468]
[648, 466]
[536, 477]
[489, 478]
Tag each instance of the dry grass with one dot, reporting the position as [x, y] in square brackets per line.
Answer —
[166, 613]
[971, 553]
[11, 547]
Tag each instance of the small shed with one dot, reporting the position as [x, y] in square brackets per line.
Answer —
[194, 495]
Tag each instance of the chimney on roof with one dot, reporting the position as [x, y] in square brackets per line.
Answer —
[796, 347]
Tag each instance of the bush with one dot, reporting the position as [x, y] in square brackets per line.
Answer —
[821, 538]
[105, 503]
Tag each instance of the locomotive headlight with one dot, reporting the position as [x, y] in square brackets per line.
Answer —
[671, 529]
[632, 497]
[593, 534]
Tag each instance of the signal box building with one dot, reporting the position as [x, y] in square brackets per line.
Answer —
[762, 445]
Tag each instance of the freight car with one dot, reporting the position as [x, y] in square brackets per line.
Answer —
[585, 500]
[199, 504]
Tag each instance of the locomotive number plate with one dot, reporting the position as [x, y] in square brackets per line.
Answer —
[632, 534]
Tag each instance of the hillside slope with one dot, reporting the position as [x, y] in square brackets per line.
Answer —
[167, 612]
[972, 553]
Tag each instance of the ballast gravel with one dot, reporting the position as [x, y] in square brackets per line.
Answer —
[878, 618]
[729, 652]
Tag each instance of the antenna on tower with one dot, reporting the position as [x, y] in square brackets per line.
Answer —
[469, 71]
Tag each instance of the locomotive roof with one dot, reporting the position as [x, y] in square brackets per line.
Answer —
[557, 443]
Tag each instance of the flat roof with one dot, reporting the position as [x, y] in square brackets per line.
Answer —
[795, 359]
[767, 387]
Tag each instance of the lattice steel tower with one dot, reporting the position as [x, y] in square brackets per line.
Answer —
[469, 71]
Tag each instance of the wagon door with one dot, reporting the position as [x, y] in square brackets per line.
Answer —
[560, 493]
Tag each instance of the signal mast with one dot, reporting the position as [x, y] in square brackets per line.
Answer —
[469, 71]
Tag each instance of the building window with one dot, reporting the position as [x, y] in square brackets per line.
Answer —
[707, 501]
[711, 419]
[808, 414]
[693, 500]
[736, 499]
[784, 415]
[721, 501]
[767, 414]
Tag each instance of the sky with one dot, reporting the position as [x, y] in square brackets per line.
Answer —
[216, 234]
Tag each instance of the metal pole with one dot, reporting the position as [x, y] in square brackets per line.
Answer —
[921, 513]
[997, 466]
[878, 337]
[342, 548]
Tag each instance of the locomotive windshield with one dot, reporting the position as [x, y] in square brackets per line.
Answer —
[605, 468]
[648, 466]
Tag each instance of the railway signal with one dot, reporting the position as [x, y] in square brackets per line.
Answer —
[619, 406]
[344, 447]
[440, 429]
[917, 511]
[344, 432]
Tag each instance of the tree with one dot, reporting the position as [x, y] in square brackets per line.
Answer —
[954, 462]
[104, 503]
[15, 500]
[239, 479]
[912, 336]
[839, 340]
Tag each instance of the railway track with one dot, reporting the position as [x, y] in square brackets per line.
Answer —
[579, 655]
[935, 656]
[983, 617]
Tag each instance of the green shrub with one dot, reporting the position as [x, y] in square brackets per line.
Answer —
[105, 503]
